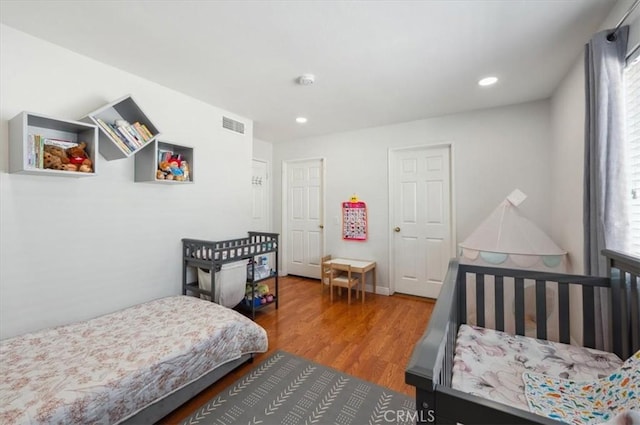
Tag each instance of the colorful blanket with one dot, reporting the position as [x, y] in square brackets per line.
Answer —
[585, 402]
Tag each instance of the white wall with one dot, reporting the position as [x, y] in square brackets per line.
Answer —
[567, 118]
[75, 248]
[494, 152]
[262, 150]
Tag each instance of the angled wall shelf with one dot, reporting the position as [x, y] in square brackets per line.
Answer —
[118, 141]
[148, 163]
[29, 133]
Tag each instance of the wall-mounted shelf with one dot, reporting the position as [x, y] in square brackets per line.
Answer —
[29, 133]
[117, 142]
[149, 158]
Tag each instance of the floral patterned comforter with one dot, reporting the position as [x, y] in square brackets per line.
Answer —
[106, 369]
[490, 363]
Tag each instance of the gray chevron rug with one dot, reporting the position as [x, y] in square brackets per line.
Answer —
[289, 390]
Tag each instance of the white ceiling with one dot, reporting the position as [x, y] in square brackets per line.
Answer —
[375, 62]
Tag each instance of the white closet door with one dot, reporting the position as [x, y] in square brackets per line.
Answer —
[304, 217]
[420, 181]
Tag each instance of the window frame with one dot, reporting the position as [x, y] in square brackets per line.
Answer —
[632, 142]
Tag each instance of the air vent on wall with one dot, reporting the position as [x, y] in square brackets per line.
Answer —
[233, 125]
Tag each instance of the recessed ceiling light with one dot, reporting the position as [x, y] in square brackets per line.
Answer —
[301, 120]
[488, 81]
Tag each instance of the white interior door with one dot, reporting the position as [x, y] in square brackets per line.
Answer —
[304, 216]
[420, 187]
[260, 197]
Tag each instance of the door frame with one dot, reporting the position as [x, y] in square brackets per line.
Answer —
[390, 165]
[284, 237]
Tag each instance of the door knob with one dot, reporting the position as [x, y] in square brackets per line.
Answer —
[396, 229]
[321, 226]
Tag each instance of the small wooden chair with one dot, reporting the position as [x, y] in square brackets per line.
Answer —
[339, 279]
[325, 273]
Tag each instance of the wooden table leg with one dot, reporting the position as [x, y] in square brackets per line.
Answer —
[364, 283]
[373, 271]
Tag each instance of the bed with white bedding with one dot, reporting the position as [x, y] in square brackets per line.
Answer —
[121, 366]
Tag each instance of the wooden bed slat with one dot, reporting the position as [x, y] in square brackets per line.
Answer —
[564, 318]
[499, 304]
[620, 314]
[588, 317]
[634, 313]
[461, 284]
[541, 309]
[480, 299]
[519, 304]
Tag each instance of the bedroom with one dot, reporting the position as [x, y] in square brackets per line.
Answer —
[104, 243]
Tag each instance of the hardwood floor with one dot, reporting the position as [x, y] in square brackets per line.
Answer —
[372, 341]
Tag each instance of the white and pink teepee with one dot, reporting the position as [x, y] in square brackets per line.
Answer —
[507, 239]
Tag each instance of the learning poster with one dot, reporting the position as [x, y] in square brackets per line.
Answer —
[354, 221]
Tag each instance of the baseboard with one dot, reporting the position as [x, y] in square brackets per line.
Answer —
[380, 290]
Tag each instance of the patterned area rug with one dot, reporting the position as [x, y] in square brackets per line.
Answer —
[290, 390]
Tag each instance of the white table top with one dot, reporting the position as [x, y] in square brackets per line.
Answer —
[356, 264]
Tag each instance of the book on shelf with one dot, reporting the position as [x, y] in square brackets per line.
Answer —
[164, 155]
[114, 135]
[40, 148]
[61, 143]
[40, 151]
[135, 133]
[131, 147]
[129, 137]
[143, 130]
[32, 152]
[139, 137]
[36, 147]
[127, 146]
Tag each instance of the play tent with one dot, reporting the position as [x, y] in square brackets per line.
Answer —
[508, 239]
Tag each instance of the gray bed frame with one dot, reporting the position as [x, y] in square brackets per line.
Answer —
[430, 367]
[162, 407]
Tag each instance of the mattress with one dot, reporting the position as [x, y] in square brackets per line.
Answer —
[106, 369]
[490, 363]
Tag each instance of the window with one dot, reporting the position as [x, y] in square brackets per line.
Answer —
[632, 99]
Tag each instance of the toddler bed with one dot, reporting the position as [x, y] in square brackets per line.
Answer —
[132, 366]
[478, 374]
